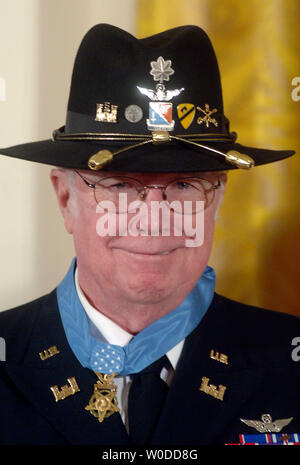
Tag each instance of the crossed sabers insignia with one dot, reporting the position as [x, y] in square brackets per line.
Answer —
[207, 119]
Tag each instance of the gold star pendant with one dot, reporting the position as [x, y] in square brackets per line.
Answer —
[103, 402]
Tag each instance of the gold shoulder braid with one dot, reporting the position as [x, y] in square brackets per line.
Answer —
[103, 402]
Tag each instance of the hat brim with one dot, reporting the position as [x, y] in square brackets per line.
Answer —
[171, 157]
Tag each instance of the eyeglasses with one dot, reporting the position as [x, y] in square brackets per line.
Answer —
[175, 193]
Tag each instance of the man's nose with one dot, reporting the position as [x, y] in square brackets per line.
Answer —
[156, 215]
[153, 193]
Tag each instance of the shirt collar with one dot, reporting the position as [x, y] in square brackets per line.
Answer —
[113, 333]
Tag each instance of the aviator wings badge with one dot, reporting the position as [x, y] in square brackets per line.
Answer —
[267, 425]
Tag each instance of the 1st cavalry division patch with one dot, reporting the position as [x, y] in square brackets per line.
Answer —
[186, 113]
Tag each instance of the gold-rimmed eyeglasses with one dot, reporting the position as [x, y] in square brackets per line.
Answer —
[195, 190]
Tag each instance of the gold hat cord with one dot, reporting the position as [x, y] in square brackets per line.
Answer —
[240, 160]
[102, 157]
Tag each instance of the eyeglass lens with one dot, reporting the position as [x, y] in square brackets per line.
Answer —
[175, 193]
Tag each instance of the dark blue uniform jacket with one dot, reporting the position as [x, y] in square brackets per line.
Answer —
[260, 377]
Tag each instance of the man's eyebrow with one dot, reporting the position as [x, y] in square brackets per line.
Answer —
[93, 178]
[98, 178]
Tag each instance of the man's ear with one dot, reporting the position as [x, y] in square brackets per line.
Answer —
[223, 180]
[223, 177]
[59, 178]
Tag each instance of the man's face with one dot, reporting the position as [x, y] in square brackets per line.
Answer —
[141, 270]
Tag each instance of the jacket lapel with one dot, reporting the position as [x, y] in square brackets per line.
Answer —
[34, 377]
[192, 414]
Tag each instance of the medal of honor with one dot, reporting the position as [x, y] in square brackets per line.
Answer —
[103, 402]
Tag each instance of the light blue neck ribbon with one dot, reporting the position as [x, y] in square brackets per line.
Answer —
[147, 346]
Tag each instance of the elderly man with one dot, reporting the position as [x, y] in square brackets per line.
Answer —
[134, 346]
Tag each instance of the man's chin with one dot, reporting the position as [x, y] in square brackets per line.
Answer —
[148, 292]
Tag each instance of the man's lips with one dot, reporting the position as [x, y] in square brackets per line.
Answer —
[147, 253]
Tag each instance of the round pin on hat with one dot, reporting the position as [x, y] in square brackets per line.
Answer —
[133, 113]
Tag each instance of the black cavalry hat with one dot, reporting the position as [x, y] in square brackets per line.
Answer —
[147, 105]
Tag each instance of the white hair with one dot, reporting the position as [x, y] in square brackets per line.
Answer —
[71, 180]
